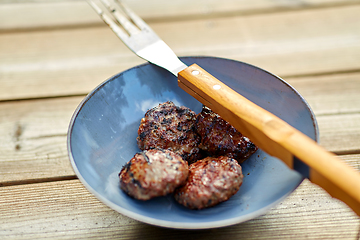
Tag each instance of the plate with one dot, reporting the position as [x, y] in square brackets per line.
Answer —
[103, 130]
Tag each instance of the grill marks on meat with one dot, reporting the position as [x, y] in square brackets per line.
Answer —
[179, 129]
[153, 173]
[219, 138]
[186, 136]
[210, 181]
[170, 127]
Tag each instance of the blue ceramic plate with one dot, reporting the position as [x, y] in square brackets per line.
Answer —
[103, 130]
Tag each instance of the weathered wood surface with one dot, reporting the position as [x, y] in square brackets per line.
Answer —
[36, 14]
[34, 131]
[50, 59]
[66, 210]
[46, 62]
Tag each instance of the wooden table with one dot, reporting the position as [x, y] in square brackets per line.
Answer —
[52, 53]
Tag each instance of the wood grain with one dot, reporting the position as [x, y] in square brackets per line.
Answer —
[66, 209]
[40, 14]
[325, 95]
[34, 139]
[282, 43]
[56, 51]
[347, 132]
[34, 136]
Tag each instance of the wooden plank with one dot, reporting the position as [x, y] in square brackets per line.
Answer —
[58, 63]
[340, 133]
[40, 14]
[66, 209]
[318, 40]
[34, 137]
[330, 94]
[82, 58]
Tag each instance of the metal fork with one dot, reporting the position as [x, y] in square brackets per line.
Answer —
[140, 38]
[269, 132]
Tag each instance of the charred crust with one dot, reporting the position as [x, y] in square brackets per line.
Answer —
[160, 149]
[142, 182]
[184, 111]
[251, 146]
[170, 127]
[136, 182]
[145, 157]
[142, 135]
[166, 121]
[179, 127]
[196, 195]
[126, 167]
[168, 156]
[218, 137]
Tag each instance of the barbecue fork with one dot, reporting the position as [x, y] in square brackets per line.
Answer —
[268, 132]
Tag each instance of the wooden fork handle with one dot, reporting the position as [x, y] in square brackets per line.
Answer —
[275, 136]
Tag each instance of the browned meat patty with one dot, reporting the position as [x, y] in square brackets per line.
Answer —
[210, 181]
[219, 138]
[170, 127]
[153, 173]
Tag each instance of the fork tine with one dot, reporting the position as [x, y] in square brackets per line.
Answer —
[116, 29]
[125, 23]
[135, 18]
[145, 43]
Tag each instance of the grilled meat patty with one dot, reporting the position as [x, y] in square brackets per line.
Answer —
[170, 127]
[210, 181]
[153, 173]
[219, 138]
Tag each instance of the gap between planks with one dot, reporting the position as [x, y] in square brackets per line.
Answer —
[350, 158]
[37, 180]
[63, 208]
[269, 45]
